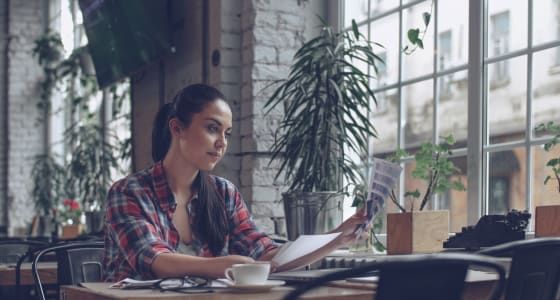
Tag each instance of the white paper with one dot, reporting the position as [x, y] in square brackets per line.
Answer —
[384, 176]
[129, 283]
[302, 246]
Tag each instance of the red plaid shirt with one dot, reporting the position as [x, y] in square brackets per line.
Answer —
[139, 225]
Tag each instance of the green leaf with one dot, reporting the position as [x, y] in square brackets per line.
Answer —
[413, 35]
[426, 17]
[414, 194]
[355, 29]
[420, 43]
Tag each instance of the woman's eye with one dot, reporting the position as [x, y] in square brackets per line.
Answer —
[213, 128]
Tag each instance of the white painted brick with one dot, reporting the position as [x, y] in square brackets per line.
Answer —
[290, 22]
[271, 209]
[231, 58]
[266, 55]
[265, 224]
[231, 40]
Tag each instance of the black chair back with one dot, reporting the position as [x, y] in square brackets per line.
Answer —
[76, 262]
[535, 268]
[422, 277]
[13, 250]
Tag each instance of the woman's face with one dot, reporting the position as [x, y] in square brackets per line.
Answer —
[204, 142]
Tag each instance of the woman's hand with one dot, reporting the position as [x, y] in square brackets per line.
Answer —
[348, 228]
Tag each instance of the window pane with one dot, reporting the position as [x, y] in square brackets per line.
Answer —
[506, 181]
[385, 31]
[355, 9]
[421, 61]
[544, 194]
[453, 105]
[456, 201]
[507, 101]
[381, 6]
[546, 86]
[453, 33]
[418, 102]
[385, 120]
[507, 26]
[546, 21]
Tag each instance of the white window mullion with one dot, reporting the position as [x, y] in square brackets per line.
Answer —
[475, 113]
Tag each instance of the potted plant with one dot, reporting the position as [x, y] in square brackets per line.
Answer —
[89, 168]
[418, 231]
[326, 115]
[547, 222]
[48, 178]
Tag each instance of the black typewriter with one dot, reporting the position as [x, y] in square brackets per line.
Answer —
[491, 230]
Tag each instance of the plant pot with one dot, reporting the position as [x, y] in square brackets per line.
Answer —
[94, 221]
[71, 231]
[547, 221]
[417, 232]
[311, 213]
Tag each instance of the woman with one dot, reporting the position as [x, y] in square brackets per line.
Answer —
[173, 218]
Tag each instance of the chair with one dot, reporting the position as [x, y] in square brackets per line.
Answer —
[16, 251]
[535, 268]
[76, 262]
[422, 277]
[11, 250]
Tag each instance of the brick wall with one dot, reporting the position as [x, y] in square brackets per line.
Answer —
[26, 136]
[271, 33]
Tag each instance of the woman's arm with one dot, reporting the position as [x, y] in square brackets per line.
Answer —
[347, 235]
[178, 265]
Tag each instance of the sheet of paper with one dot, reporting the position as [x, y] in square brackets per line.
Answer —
[129, 283]
[384, 176]
[303, 245]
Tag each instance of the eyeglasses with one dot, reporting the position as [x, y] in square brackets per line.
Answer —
[187, 284]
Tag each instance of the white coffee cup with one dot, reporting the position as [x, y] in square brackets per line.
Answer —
[248, 274]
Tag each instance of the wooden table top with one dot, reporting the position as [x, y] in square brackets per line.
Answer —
[478, 286]
[102, 291]
[47, 272]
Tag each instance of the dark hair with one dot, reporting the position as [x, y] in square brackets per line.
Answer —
[211, 224]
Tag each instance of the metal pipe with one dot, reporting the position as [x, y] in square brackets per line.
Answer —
[5, 109]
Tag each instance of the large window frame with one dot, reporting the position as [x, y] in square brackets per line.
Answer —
[479, 147]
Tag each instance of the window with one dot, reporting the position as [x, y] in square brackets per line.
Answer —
[444, 60]
[492, 111]
[500, 45]
[110, 106]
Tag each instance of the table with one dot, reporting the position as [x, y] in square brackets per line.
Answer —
[47, 272]
[478, 286]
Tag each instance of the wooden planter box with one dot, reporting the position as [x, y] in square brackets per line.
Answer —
[71, 231]
[417, 232]
[547, 221]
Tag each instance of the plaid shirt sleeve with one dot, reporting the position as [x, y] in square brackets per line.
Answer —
[245, 238]
[134, 238]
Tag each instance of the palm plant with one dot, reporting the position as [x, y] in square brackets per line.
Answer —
[326, 100]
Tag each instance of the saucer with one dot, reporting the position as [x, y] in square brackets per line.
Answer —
[267, 285]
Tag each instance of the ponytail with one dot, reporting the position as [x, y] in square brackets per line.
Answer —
[211, 224]
[161, 135]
